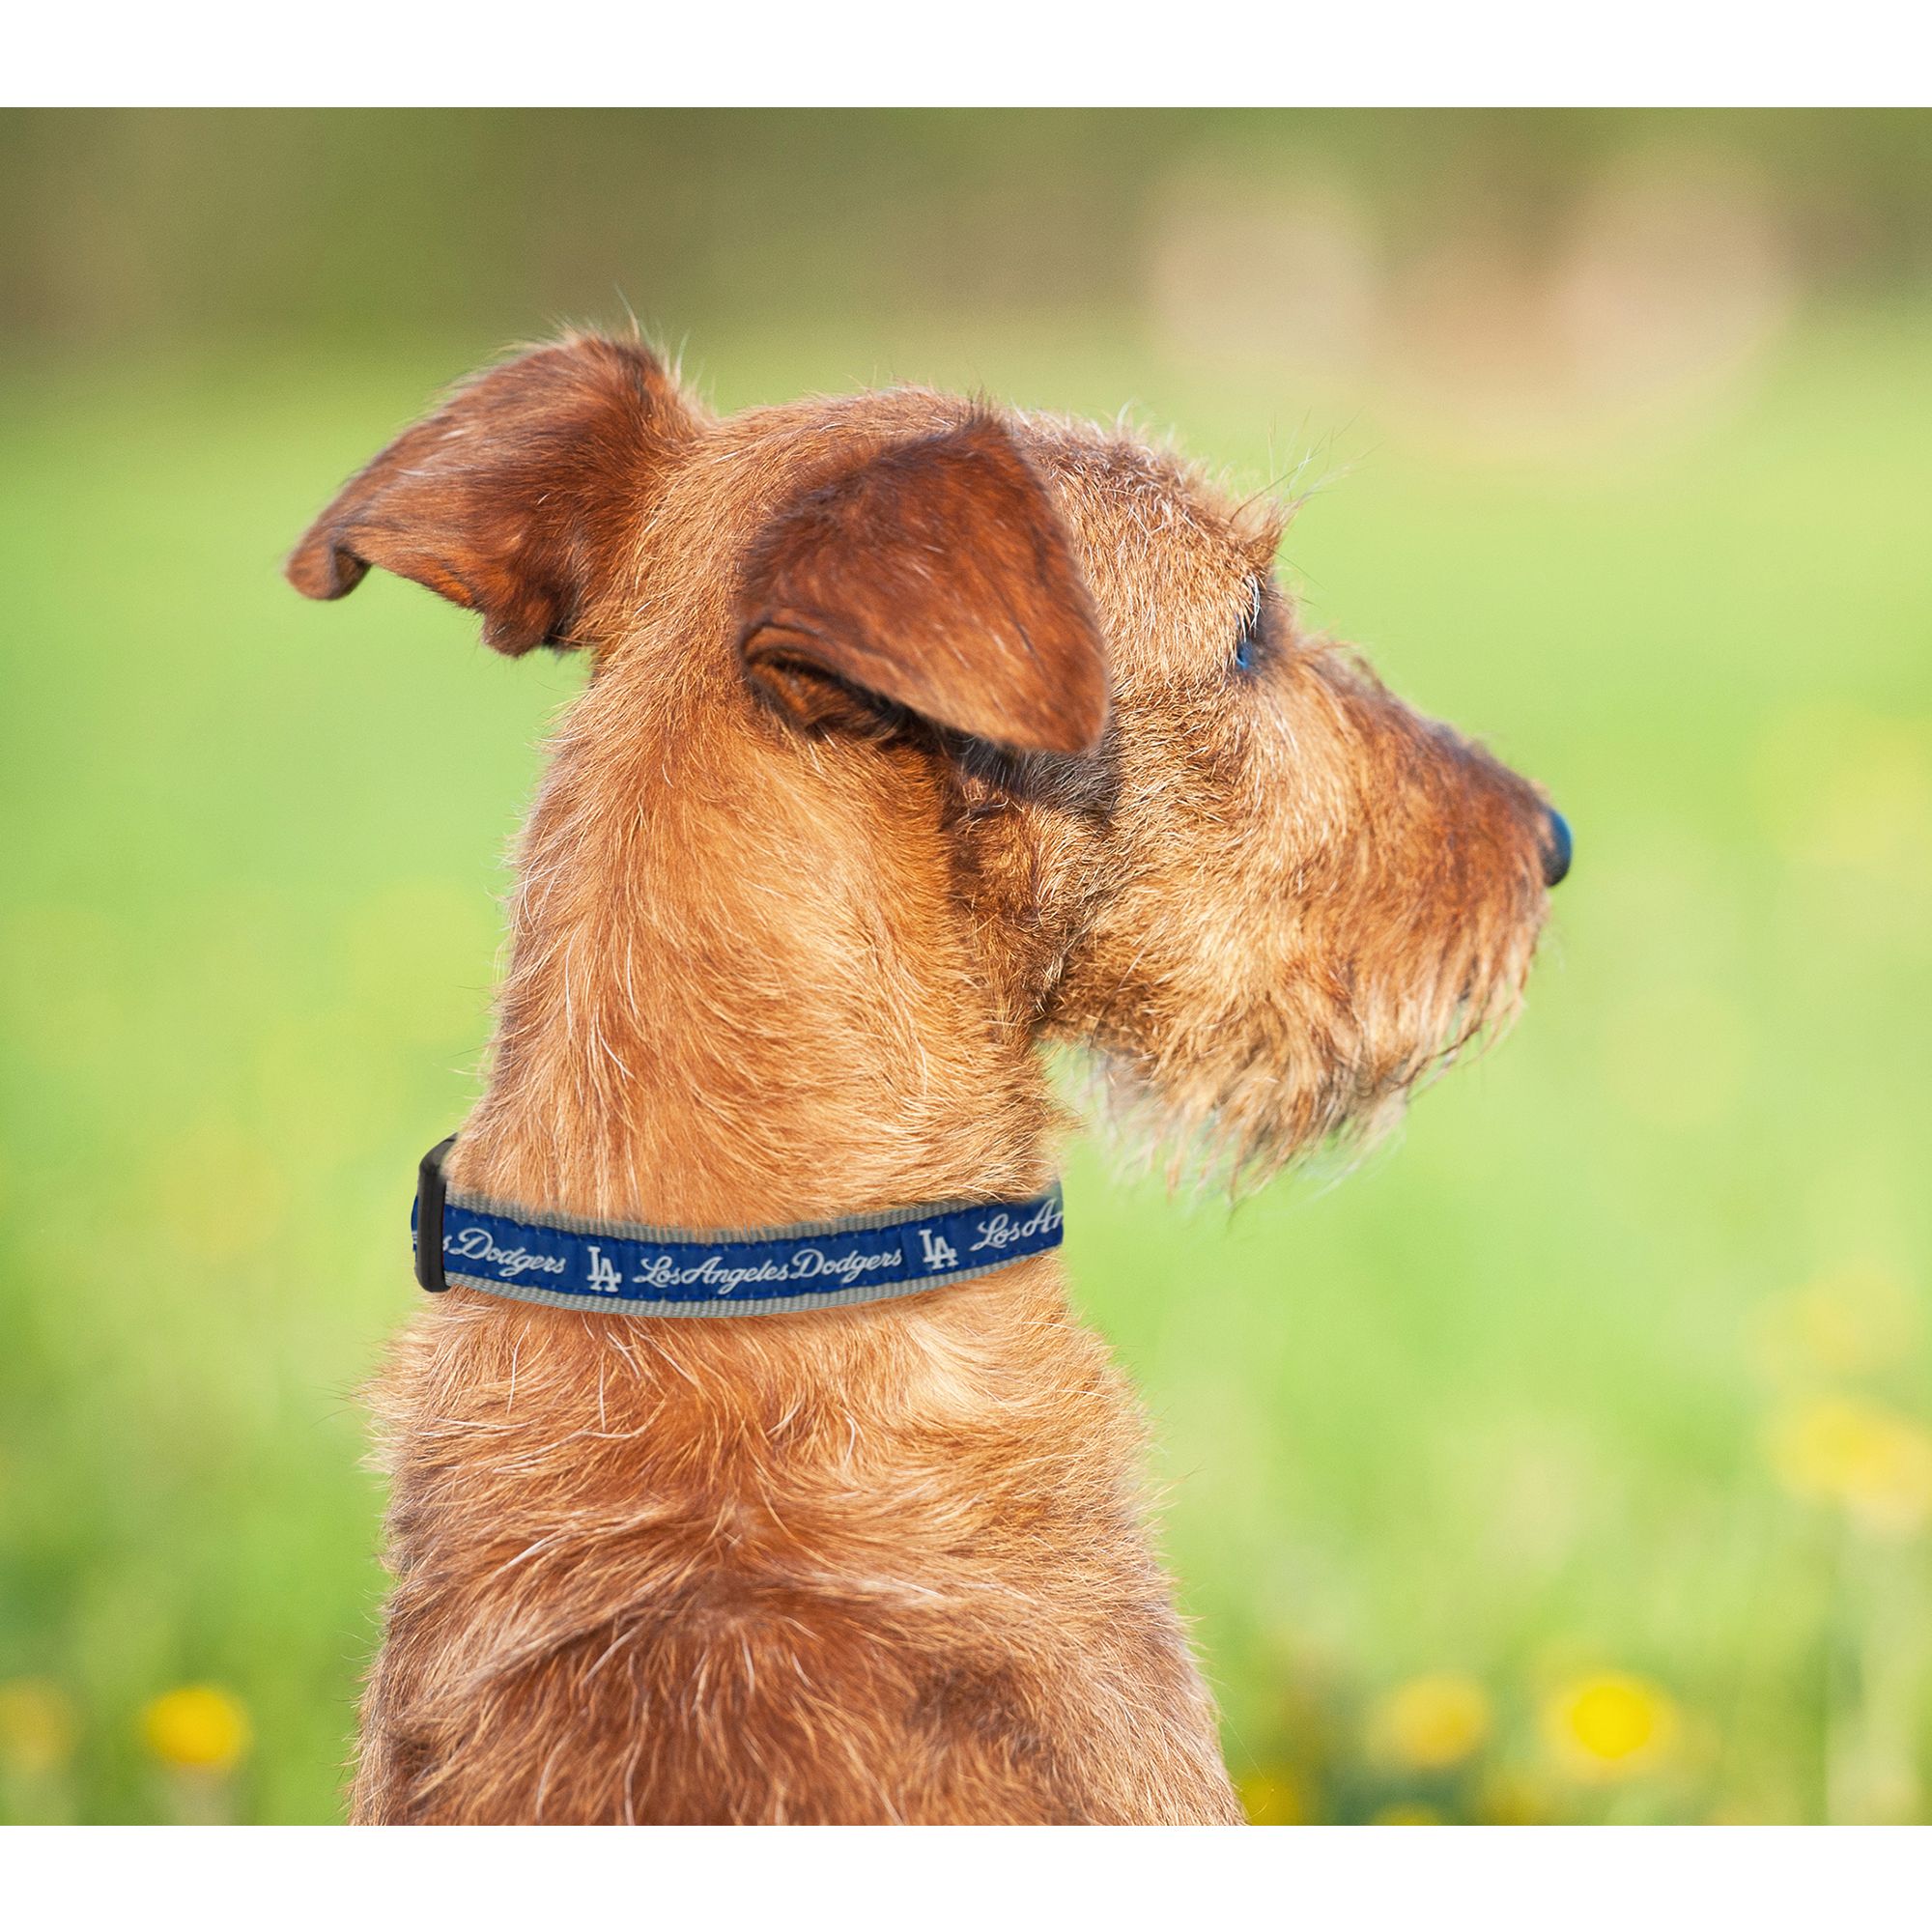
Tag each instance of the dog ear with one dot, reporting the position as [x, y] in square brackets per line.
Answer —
[509, 497]
[935, 575]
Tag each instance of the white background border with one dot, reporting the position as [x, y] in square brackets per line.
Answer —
[985, 52]
[1333, 1879]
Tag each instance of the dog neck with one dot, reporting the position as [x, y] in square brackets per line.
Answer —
[745, 994]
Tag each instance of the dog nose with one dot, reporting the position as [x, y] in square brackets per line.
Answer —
[1557, 847]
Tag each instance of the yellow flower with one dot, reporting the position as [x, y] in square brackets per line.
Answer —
[198, 1727]
[1611, 1727]
[1431, 1722]
[1855, 1318]
[35, 1726]
[1273, 1798]
[1509, 1799]
[1856, 1452]
[1406, 1814]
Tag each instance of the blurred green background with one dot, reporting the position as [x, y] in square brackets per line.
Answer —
[1567, 1459]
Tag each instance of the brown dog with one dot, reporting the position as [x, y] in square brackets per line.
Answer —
[918, 735]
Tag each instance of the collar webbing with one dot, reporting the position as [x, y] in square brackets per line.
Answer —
[564, 1261]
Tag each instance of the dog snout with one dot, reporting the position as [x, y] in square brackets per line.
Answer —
[1558, 848]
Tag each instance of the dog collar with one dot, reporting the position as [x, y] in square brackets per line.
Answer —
[565, 1260]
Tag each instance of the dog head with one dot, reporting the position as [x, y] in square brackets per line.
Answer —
[1006, 714]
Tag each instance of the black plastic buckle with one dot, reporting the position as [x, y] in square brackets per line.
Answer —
[429, 1190]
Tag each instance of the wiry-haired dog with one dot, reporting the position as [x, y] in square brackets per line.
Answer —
[919, 734]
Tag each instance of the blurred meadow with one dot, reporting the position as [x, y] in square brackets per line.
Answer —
[1569, 1458]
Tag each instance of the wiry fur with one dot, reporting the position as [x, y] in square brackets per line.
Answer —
[793, 921]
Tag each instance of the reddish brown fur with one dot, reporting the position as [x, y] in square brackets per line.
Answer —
[830, 845]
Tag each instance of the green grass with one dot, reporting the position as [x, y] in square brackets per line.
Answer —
[1496, 1403]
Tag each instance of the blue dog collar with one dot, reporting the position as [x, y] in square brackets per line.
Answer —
[566, 1261]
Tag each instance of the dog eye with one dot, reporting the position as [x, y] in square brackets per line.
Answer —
[1248, 640]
